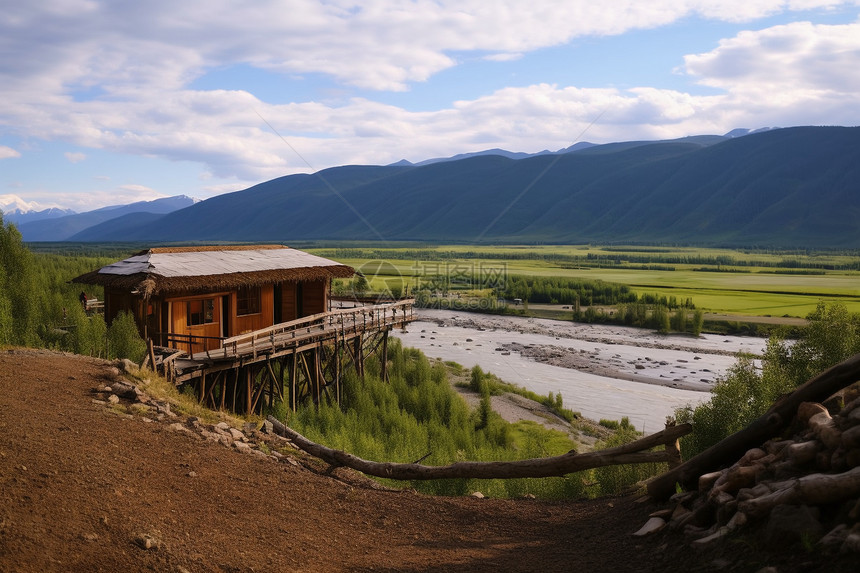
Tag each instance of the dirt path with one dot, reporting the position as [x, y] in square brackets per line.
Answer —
[82, 485]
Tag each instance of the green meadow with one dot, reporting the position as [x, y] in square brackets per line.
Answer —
[719, 281]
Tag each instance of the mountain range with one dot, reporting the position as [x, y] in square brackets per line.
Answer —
[791, 187]
[62, 225]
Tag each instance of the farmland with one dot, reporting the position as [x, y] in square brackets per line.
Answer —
[721, 281]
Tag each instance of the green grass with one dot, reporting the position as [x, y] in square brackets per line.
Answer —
[777, 283]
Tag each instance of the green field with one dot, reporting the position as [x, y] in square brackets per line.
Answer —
[747, 283]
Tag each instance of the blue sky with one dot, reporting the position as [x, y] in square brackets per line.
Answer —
[110, 102]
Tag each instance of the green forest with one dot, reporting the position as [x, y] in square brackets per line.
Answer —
[39, 307]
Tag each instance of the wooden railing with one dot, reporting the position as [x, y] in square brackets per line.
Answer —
[186, 342]
[346, 320]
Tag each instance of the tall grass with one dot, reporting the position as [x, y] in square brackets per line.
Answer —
[419, 416]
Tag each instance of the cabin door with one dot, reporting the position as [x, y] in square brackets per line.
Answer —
[196, 324]
[286, 308]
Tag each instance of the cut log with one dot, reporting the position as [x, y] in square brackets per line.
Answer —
[825, 430]
[736, 478]
[809, 490]
[760, 430]
[802, 453]
[809, 409]
[570, 462]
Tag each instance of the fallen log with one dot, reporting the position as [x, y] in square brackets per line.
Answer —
[532, 468]
[770, 424]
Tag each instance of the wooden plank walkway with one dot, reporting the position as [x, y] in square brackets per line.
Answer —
[292, 337]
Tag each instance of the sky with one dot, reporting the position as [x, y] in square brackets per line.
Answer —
[109, 102]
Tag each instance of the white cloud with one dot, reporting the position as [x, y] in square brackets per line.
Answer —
[8, 152]
[96, 198]
[504, 57]
[120, 48]
[116, 76]
[141, 192]
[75, 156]
[793, 60]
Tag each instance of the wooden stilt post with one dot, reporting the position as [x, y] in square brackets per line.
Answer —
[249, 396]
[384, 357]
[293, 385]
[224, 387]
[202, 386]
[306, 371]
[318, 373]
[336, 359]
[359, 355]
[271, 384]
[235, 388]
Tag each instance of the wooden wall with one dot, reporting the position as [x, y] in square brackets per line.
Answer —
[295, 300]
[289, 306]
[247, 323]
[314, 297]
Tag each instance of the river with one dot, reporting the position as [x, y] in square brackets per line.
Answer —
[601, 371]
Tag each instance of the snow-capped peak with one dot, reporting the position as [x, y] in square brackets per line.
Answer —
[13, 204]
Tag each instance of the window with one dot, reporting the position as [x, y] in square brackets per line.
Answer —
[248, 301]
[200, 312]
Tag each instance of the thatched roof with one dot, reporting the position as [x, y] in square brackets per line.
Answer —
[212, 268]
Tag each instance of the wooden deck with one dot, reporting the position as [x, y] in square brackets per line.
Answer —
[310, 354]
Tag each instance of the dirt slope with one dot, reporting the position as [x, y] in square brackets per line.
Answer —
[81, 486]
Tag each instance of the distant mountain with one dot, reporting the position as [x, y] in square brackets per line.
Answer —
[740, 132]
[582, 145]
[18, 211]
[794, 187]
[13, 204]
[64, 227]
[500, 152]
[115, 227]
[20, 218]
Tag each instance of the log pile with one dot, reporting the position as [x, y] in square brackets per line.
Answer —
[803, 489]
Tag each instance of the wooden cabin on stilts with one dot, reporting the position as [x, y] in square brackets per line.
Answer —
[246, 326]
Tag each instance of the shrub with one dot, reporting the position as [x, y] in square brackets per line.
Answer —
[124, 340]
[744, 393]
[615, 479]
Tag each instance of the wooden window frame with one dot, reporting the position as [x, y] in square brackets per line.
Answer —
[249, 301]
[206, 314]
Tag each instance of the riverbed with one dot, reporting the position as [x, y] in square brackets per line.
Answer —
[603, 372]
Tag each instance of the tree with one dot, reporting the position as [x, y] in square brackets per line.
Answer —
[19, 296]
[737, 399]
[698, 321]
[124, 340]
[660, 319]
[360, 285]
[744, 394]
[679, 319]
